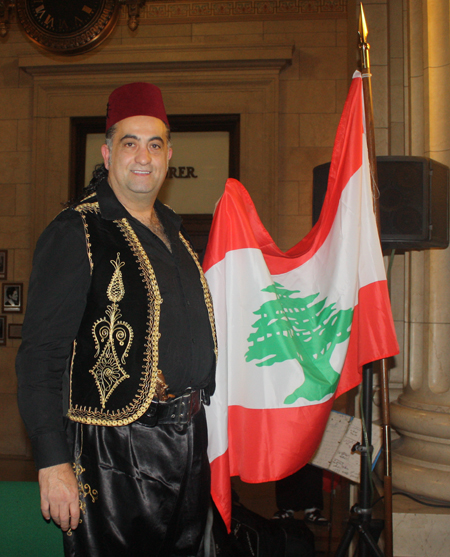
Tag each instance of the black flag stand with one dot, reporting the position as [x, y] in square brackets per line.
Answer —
[361, 514]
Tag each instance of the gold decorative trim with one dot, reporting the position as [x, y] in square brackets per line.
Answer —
[148, 382]
[206, 292]
[149, 377]
[84, 490]
[64, 37]
[93, 208]
[74, 349]
[115, 335]
[147, 387]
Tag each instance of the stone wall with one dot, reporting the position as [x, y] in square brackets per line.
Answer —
[286, 130]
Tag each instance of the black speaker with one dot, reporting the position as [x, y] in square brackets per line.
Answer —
[414, 196]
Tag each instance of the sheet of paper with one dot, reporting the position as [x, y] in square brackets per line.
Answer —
[345, 463]
[335, 430]
[348, 464]
[342, 432]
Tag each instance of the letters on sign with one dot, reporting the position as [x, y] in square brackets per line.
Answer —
[181, 172]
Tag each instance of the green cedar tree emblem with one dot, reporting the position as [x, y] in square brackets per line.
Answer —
[301, 329]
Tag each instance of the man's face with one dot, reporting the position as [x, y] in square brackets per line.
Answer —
[138, 159]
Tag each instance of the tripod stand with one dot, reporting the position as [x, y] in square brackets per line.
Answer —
[361, 518]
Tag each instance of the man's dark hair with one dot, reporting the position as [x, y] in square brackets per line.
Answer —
[100, 172]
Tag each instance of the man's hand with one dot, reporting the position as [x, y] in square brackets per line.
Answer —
[59, 495]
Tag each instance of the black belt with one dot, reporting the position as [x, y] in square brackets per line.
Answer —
[180, 410]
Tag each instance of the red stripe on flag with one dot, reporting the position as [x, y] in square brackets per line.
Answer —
[236, 205]
[272, 451]
[372, 337]
[221, 487]
[269, 444]
[255, 458]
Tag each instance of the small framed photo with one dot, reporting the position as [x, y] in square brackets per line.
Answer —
[2, 330]
[15, 330]
[12, 297]
[3, 264]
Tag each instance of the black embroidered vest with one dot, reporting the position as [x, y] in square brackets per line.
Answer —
[115, 355]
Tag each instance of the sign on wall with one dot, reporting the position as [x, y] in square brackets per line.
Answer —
[206, 153]
[197, 171]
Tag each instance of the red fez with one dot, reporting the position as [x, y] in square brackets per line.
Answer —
[135, 99]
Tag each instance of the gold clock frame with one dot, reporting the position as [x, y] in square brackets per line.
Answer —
[75, 42]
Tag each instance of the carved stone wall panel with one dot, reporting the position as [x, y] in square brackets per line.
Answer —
[225, 80]
[179, 11]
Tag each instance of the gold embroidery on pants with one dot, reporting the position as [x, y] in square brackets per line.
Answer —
[84, 490]
[115, 335]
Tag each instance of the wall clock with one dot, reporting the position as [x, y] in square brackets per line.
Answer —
[68, 26]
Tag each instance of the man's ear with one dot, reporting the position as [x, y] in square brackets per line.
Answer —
[105, 155]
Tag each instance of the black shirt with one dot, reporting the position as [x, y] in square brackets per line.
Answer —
[59, 284]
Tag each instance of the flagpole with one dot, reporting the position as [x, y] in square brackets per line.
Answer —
[384, 371]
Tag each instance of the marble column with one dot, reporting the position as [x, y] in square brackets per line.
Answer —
[421, 459]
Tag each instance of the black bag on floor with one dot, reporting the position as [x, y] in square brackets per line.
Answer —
[256, 536]
[299, 538]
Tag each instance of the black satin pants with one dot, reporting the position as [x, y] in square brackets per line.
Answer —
[144, 491]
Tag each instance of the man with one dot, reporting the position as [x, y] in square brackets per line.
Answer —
[118, 298]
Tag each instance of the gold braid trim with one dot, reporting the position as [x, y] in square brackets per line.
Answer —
[206, 292]
[74, 349]
[147, 387]
[148, 382]
[93, 208]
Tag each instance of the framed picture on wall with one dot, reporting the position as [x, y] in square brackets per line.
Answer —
[12, 294]
[205, 153]
[3, 264]
[2, 330]
[15, 330]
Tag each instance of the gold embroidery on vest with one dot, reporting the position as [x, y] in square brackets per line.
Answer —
[115, 335]
[148, 383]
[206, 292]
[74, 350]
[148, 380]
[94, 208]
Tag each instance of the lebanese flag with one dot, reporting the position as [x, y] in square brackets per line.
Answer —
[294, 329]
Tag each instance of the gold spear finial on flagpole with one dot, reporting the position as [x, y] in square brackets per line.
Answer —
[384, 376]
[363, 44]
[364, 48]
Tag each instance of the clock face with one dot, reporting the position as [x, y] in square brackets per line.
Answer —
[68, 26]
[63, 17]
